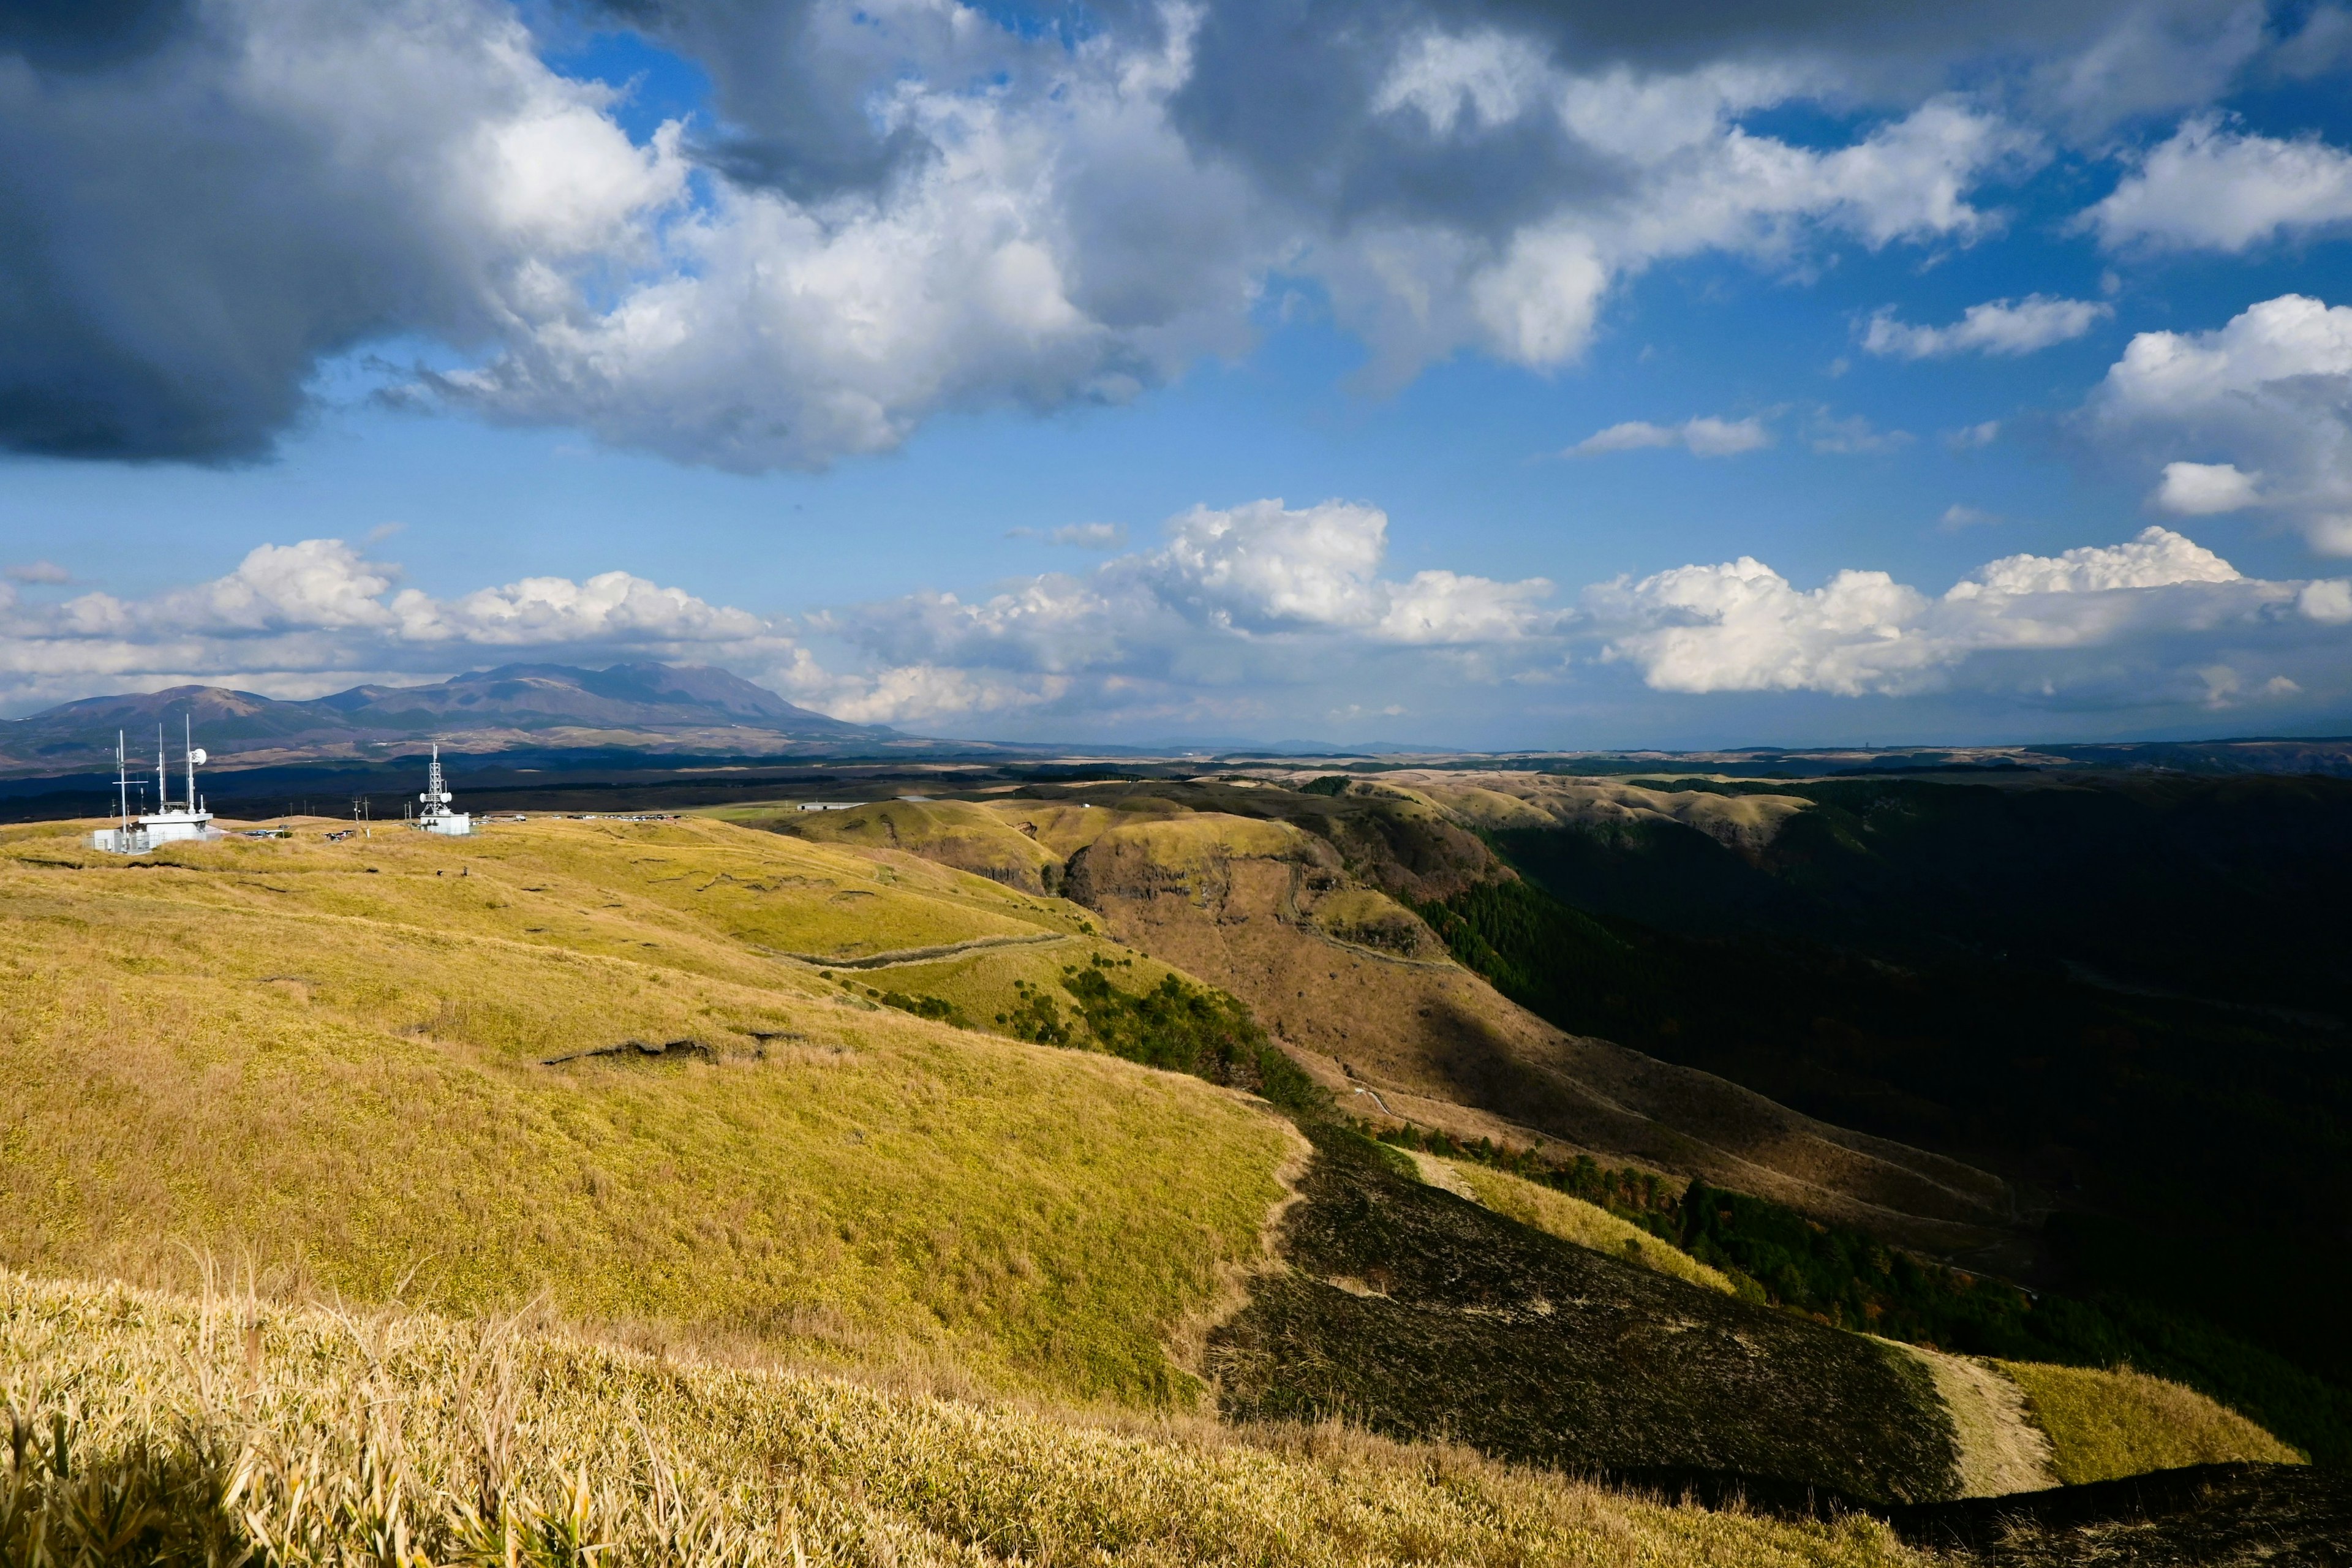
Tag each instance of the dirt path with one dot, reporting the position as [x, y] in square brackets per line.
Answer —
[2001, 1450]
[926, 954]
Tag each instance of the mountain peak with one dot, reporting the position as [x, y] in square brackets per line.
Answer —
[631, 700]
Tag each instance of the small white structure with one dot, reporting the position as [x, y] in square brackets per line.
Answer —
[124, 838]
[436, 817]
[188, 821]
[830, 804]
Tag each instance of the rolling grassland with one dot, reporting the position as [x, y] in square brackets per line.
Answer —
[1365, 996]
[2104, 1424]
[334, 1060]
[678, 1192]
[402, 1439]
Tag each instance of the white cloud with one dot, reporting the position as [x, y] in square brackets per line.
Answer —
[1997, 327]
[2204, 489]
[1239, 602]
[1090, 535]
[1853, 436]
[1254, 617]
[2328, 600]
[2158, 558]
[2270, 393]
[2210, 187]
[1705, 436]
[893, 211]
[1957, 517]
[44, 573]
[299, 619]
[1484, 79]
[2157, 599]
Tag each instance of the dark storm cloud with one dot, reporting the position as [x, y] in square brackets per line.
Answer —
[174, 264]
[87, 35]
[200, 203]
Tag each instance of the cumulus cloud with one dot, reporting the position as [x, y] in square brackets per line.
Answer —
[299, 619]
[2270, 392]
[1998, 327]
[2133, 623]
[1261, 616]
[2212, 187]
[1265, 608]
[1705, 436]
[1239, 607]
[44, 573]
[203, 210]
[2202, 490]
[902, 208]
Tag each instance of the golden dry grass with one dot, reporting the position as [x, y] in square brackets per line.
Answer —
[274, 1048]
[413, 1439]
[956, 833]
[1574, 1220]
[2105, 1425]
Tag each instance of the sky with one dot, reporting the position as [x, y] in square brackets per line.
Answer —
[1483, 373]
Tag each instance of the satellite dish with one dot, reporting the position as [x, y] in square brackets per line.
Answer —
[197, 758]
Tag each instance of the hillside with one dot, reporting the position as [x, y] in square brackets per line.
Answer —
[495, 1447]
[1372, 922]
[722, 1095]
[1363, 994]
[201, 1046]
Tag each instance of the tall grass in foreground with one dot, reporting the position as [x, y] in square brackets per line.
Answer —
[159, 1428]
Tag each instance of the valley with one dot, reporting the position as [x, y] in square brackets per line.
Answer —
[1231, 1112]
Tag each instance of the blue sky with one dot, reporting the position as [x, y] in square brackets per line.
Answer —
[792, 345]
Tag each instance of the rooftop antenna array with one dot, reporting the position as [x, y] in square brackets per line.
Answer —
[167, 823]
[124, 838]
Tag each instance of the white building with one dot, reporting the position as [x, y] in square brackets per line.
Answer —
[436, 817]
[168, 825]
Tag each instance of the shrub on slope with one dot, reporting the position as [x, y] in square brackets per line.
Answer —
[328, 1439]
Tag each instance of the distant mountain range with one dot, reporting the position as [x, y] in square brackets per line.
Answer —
[649, 707]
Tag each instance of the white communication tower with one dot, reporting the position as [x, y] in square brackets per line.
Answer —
[124, 838]
[436, 817]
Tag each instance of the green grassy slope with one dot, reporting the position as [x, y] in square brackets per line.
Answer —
[330, 1057]
[2103, 1426]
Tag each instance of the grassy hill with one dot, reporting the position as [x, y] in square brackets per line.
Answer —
[333, 1437]
[730, 1096]
[1291, 902]
[332, 1058]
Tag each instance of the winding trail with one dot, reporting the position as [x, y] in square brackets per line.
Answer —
[926, 954]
